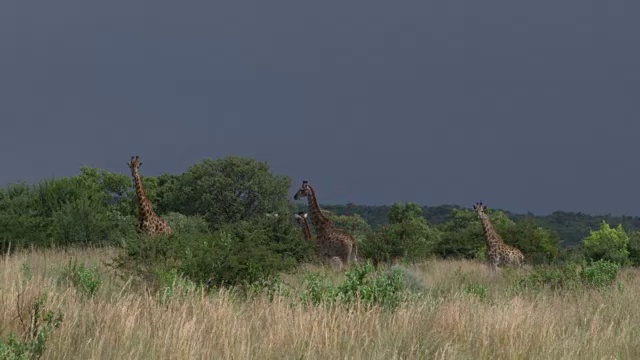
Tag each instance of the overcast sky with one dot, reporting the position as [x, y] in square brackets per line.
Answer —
[525, 105]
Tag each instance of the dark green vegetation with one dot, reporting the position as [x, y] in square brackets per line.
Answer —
[224, 234]
[571, 227]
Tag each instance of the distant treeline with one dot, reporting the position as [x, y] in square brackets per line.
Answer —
[572, 227]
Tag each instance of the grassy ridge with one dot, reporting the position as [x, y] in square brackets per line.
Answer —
[456, 310]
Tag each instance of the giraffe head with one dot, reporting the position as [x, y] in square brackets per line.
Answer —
[135, 163]
[480, 208]
[301, 217]
[304, 191]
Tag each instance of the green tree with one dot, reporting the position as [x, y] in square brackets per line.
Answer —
[68, 210]
[607, 244]
[20, 224]
[462, 235]
[539, 245]
[634, 248]
[400, 213]
[239, 253]
[169, 198]
[408, 236]
[231, 189]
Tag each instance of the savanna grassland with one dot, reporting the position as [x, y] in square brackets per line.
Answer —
[236, 278]
[447, 309]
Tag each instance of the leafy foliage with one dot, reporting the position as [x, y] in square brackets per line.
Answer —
[634, 248]
[38, 324]
[227, 190]
[571, 227]
[463, 237]
[221, 234]
[407, 236]
[540, 245]
[607, 244]
[241, 253]
[361, 285]
[85, 279]
[555, 277]
[65, 211]
[600, 273]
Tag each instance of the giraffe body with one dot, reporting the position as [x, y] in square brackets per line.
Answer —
[498, 253]
[333, 243]
[149, 223]
[301, 217]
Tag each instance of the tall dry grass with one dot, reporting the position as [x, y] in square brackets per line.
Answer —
[440, 321]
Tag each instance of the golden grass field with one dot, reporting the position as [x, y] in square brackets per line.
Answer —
[123, 321]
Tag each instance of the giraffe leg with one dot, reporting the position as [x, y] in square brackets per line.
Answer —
[348, 255]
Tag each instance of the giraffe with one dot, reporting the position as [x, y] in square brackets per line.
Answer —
[497, 251]
[301, 217]
[333, 243]
[148, 222]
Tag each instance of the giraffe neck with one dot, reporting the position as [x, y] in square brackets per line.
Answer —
[491, 236]
[143, 202]
[320, 222]
[306, 230]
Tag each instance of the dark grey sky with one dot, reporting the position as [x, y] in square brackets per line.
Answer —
[526, 105]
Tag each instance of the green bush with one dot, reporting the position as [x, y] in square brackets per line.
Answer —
[634, 248]
[20, 225]
[85, 279]
[226, 191]
[599, 273]
[183, 224]
[568, 276]
[408, 236]
[237, 254]
[361, 285]
[38, 324]
[474, 289]
[462, 235]
[64, 211]
[607, 244]
[173, 286]
[541, 246]
[317, 290]
[554, 277]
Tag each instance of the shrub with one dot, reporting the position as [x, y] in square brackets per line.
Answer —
[607, 244]
[85, 279]
[541, 246]
[634, 248]
[173, 286]
[361, 285]
[599, 273]
[408, 236]
[474, 289]
[568, 276]
[238, 254]
[554, 277]
[317, 291]
[64, 211]
[38, 324]
[462, 235]
[227, 190]
[183, 224]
